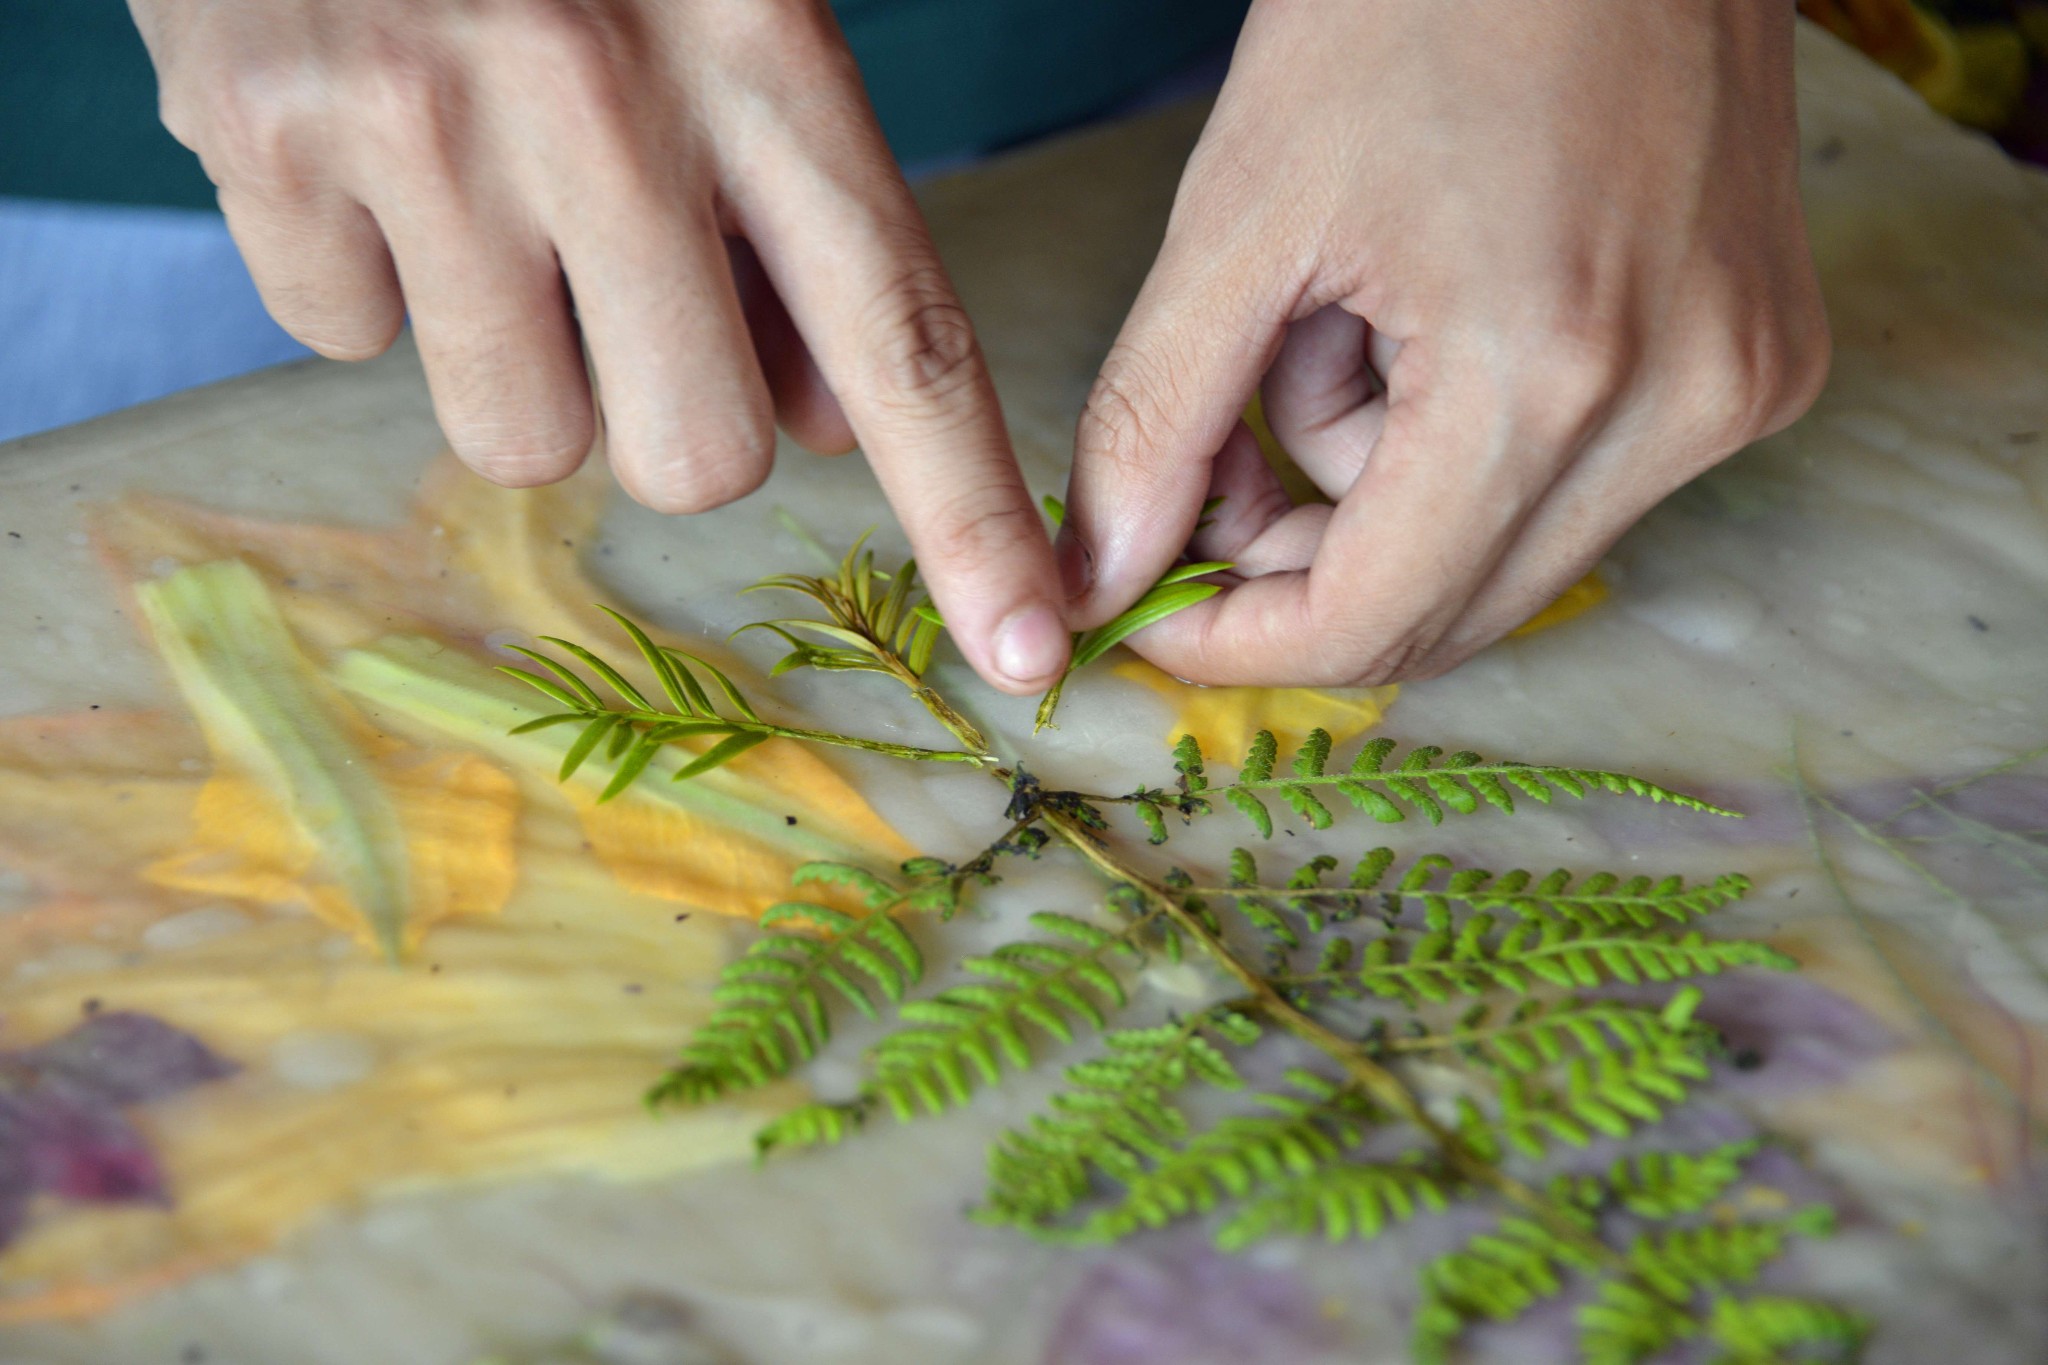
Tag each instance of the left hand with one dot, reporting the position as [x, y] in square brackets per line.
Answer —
[1569, 239]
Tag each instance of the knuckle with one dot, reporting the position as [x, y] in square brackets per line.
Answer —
[1387, 663]
[1758, 380]
[401, 96]
[925, 350]
[979, 530]
[405, 100]
[576, 47]
[1584, 372]
[248, 127]
[1117, 424]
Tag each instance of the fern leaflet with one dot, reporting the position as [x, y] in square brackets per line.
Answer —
[771, 1002]
[1119, 1113]
[1460, 784]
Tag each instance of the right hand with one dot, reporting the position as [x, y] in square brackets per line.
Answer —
[706, 181]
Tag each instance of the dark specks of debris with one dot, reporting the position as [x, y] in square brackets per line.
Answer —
[568, 544]
[192, 1355]
[14, 535]
[634, 988]
[789, 819]
[90, 1005]
[680, 918]
[1748, 1059]
[1830, 151]
[1976, 623]
[434, 969]
[2022, 438]
[1846, 734]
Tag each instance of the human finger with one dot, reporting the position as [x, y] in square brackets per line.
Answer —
[841, 238]
[805, 406]
[1168, 395]
[321, 266]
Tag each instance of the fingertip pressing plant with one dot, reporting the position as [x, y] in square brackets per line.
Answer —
[1464, 1036]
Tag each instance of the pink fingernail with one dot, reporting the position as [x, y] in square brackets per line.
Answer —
[1077, 565]
[1030, 645]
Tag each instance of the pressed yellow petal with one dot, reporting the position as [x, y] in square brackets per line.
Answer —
[725, 841]
[505, 1044]
[1224, 719]
[513, 1045]
[1580, 598]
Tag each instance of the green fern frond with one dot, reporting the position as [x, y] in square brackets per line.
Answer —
[1461, 783]
[1301, 1133]
[961, 1038]
[1118, 1114]
[1471, 958]
[1766, 1329]
[1599, 899]
[771, 1003]
[1536, 1034]
[1339, 1202]
[1496, 1275]
[1664, 1185]
[1648, 1307]
[1611, 1091]
[1681, 1262]
[810, 1125]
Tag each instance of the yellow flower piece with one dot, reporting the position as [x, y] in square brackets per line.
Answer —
[348, 772]
[1580, 598]
[1224, 719]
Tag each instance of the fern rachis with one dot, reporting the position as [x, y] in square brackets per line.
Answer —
[1403, 972]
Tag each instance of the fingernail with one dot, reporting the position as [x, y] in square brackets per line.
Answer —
[1030, 645]
[1077, 566]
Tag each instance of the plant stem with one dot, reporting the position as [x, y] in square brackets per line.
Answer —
[1376, 1081]
[873, 746]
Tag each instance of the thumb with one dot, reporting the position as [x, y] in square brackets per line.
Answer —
[1169, 394]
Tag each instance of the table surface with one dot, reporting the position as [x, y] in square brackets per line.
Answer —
[1856, 610]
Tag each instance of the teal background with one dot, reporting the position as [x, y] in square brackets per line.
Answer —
[948, 78]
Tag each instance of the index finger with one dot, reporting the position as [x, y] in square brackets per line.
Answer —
[838, 232]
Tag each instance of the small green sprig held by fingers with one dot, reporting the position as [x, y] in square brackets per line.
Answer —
[1176, 591]
[1466, 1044]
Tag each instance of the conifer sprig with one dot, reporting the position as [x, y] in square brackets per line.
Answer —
[632, 732]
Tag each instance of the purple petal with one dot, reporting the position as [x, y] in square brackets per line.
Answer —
[128, 1058]
[81, 1147]
[17, 1183]
[1187, 1305]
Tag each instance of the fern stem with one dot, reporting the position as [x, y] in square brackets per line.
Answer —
[1440, 1042]
[873, 746]
[1380, 1084]
[1593, 778]
[1377, 1082]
